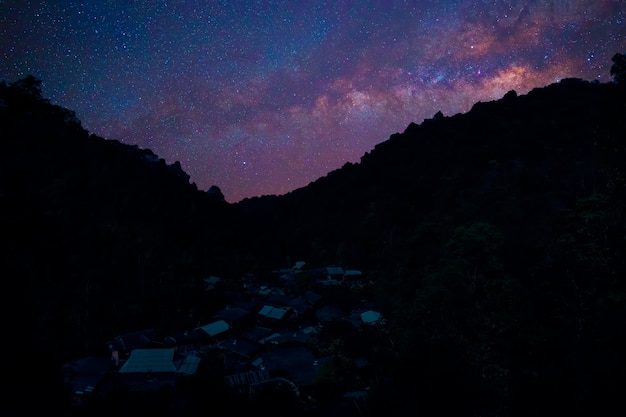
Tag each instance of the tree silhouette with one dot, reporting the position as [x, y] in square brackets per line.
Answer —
[29, 85]
[618, 69]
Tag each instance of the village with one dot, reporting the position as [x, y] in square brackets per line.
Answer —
[289, 329]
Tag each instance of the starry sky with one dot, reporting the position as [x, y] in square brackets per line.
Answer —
[263, 97]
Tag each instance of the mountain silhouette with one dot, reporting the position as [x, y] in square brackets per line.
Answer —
[494, 241]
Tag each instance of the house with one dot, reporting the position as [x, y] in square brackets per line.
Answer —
[285, 338]
[300, 305]
[121, 346]
[329, 282]
[215, 328]
[277, 297]
[312, 297]
[303, 311]
[152, 369]
[210, 282]
[328, 313]
[245, 379]
[298, 364]
[371, 317]
[241, 346]
[187, 341]
[305, 333]
[188, 365]
[264, 290]
[257, 333]
[271, 338]
[273, 312]
[353, 277]
[235, 315]
[285, 273]
[276, 318]
[335, 273]
[150, 361]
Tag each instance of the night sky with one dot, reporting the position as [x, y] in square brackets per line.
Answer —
[263, 97]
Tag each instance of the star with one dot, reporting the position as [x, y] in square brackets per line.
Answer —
[262, 98]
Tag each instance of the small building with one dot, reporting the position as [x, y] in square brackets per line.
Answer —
[187, 341]
[210, 282]
[245, 379]
[264, 290]
[312, 297]
[215, 328]
[152, 369]
[241, 346]
[237, 315]
[298, 364]
[278, 298]
[257, 333]
[285, 273]
[335, 273]
[275, 313]
[328, 313]
[150, 361]
[121, 346]
[371, 317]
[300, 306]
[291, 338]
[353, 277]
[274, 317]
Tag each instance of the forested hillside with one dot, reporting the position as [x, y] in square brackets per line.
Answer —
[495, 241]
[98, 237]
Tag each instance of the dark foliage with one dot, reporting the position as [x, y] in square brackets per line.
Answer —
[495, 241]
[618, 69]
[98, 237]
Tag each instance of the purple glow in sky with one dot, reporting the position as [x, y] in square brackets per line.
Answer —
[263, 97]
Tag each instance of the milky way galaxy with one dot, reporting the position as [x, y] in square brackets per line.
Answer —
[263, 97]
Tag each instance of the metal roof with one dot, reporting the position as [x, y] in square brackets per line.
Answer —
[215, 328]
[247, 378]
[370, 316]
[273, 312]
[189, 366]
[334, 270]
[149, 360]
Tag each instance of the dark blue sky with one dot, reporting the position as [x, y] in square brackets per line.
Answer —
[263, 97]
